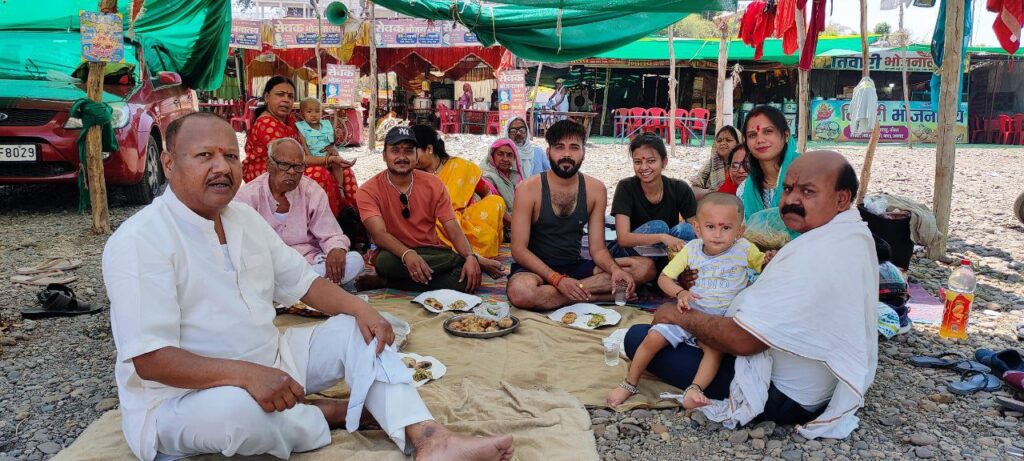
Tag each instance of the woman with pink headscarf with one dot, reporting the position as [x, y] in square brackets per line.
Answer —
[466, 100]
[503, 172]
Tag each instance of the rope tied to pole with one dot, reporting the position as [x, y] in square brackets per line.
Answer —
[92, 114]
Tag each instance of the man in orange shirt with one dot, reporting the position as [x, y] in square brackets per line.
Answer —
[399, 207]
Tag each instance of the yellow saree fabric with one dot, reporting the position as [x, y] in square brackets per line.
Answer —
[481, 221]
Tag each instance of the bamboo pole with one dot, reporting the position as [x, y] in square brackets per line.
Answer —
[94, 144]
[671, 91]
[949, 100]
[869, 157]
[319, 38]
[371, 141]
[904, 38]
[533, 100]
[803, 104]
[604, 105]
[723, 63]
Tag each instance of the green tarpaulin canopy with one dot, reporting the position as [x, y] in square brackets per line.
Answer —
[689, 49]
[534, 30]
[189, 37]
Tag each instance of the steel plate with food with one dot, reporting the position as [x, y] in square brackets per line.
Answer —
[472, 326]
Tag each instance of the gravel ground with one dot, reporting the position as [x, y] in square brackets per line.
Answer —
[57, 374]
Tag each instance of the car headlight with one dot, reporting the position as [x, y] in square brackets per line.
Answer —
[119, 117]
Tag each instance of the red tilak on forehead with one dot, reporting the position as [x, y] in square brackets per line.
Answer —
[757, 128]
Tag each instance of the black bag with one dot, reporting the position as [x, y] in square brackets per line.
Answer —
[895, 232]
[353, 228]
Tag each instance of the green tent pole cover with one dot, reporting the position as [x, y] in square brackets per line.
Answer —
[559, 34]
[189, 37]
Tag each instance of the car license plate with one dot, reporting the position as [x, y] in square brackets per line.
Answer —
[18, 153]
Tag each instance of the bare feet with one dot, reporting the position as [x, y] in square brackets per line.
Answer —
[335, 410]
[617, 396]
[434, 442]
[694, 398]
[492, 268]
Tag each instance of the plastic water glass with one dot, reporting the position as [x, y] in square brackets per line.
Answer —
[620, 295]
[611, 352]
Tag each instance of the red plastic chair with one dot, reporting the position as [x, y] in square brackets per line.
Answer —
[449, 119]
[493, 123]
[1006, 128]
[700, 125]
[1018, 123]
[978, 128]
[243, 121]
[657, 121]
[619, 124]
[637, 119]
[679, 126]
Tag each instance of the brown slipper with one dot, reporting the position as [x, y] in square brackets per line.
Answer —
[51, 265]
[44, 279]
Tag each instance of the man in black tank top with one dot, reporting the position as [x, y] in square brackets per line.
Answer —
[549, 213]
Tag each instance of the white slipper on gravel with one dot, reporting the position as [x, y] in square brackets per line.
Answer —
[51, 265]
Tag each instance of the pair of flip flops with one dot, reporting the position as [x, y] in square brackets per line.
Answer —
[974, 375]
[58, 300]
[47, 272]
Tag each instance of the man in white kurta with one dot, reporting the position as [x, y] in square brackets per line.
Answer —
[805, 333]
[201, 368]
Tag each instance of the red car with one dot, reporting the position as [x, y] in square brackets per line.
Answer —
[39, 139]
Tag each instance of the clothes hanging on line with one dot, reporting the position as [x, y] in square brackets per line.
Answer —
[757, 24]
[1007, 26]
[814, 27]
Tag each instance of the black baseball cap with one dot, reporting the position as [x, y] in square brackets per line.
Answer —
[399, 134]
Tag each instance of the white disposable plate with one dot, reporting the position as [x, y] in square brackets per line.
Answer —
[447, 298]
[611, 317]
[436, 367]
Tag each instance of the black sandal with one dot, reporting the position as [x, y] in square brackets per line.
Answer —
[58, 300]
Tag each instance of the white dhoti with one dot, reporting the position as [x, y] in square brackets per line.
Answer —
[227, 420]
[354, 265]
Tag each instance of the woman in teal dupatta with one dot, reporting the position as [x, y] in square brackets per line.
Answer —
[767, 137]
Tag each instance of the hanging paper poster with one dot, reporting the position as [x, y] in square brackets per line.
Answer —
[460, 35]
[302, 33]
[341, 84]
[102, 36]
[830, 121]
[245, 34]
[405, 33]
[511, 95]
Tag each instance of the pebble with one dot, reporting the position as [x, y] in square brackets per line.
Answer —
[792, 455]
[923, 452]
[739, 436]
[921, 439]
[49, 448]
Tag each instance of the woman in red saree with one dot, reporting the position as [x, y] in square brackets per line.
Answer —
[277, 122]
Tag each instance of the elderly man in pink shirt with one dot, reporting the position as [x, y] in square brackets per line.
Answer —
[296, 208]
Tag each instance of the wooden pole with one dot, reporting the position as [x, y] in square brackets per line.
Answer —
[803, 105]
[94, 144]
[869, 157]
[949, 100]
[319, 38]
[906, 86]
[371, 141]
[604, 105]
[533, 100]
[723, 63]
[671, 91]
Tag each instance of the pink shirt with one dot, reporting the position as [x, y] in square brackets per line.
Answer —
[309, 227]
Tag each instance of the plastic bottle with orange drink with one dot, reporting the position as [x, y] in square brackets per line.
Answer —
[959, 295]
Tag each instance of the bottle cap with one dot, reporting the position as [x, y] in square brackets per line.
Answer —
[965, 262]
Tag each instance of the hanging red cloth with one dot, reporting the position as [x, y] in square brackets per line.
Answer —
[757, 24]
[1009, 16]
[785, 26]
[816, 25]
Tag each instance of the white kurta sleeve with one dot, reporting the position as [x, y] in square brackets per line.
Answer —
[144, 310]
